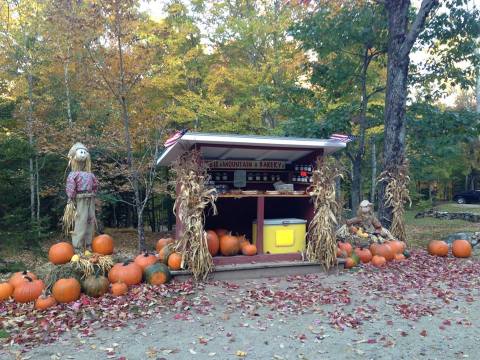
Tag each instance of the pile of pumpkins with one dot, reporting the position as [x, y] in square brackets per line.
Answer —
[460, 248]
[377, 254]
[221, 241]
[25, 287]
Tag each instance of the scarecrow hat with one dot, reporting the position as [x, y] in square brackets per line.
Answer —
[74, 148]
[365, 203]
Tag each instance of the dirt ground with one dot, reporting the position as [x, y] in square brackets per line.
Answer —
[423, 308]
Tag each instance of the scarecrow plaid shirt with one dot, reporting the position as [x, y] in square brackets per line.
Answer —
[79, 182]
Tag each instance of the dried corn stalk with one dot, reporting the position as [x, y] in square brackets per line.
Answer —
[193, 197]
[396, 196]
[321, 230]
[68, 219]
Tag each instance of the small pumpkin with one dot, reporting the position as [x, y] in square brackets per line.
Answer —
[157, 274]
[399, 257]
[364, 254]
[373, 248]
[95, 285]
[19, 277]
[249, 250]
[61, 253]
[6, 290]
[162, 243]
[378, 261]
[28, 291]
[347, 247]
[385, 251]
[461, 248]
[145, 260]
[213, 242]
[437, 248]
[66, 290]
[103, 244]
[221, 232]
[350, 263]
[127, 272]
[45, 302]
[229, 245]
[119, 289]
[165, 253]
[341, 253]
[397, 246]
[174, 261]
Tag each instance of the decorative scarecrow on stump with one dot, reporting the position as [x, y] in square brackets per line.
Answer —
[81, 189]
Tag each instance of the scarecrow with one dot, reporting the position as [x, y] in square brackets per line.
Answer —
[81, 189]
[366, 225]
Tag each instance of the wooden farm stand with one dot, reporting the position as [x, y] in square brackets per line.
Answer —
[265, 160]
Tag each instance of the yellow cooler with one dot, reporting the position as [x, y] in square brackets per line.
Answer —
[282, 236]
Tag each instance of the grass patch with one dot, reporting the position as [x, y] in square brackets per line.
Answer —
[4, 334]
[453, 207]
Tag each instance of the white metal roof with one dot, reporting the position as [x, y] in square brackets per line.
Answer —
[248, 147]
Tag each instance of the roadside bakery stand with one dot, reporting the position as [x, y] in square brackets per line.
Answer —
[245, 169]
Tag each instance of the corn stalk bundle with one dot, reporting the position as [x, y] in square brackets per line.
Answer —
[321, 230]
[193, 197]
[396, 196]
[68, 219]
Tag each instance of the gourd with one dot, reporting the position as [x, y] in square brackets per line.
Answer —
[103, 244]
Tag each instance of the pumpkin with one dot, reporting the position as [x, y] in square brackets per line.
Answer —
[119, 289]
[349, 263]
[103, 244]
[399, 257]
[385, 251]
[61, 253]
[397, 246]
[95, 285]
[378, 261]
[213, 242]
[364, 254]
[341, 253]
[249, 250]
[19, 277]
[243, 241]
[373, 248]
[221, 232]
[162, 243]
[229, 245]
[6, 290]
[437, 248]
[145, 260]
[174, 261]
[347, 247]
[461, 249]
[28, 291]
[127, 272]
[45, 302]
[165, 253]
[66, 290]
[157, 274]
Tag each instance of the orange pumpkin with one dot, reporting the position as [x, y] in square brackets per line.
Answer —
[364, 254]
[19, 277]
[45, 302]
[437, 248]
[349, 263]
[242, 240]
[6, 290]
[461, 249]
[397, 246]
[145, 260]
[378, 261]
[119, 289]
[373, 249]
[213, 242]
[162, 243]
[341, 253]
[103, 244]
[66, 290]
[175, 261]
[61, 253]
[128, 272]
[399, 257]
[221, 232]
[347, 247]
[385, 251]
[165, 253]
[249, 250]
[229, 245]
[28, 291]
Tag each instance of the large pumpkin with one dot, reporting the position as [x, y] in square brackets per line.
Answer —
[461, 249]
[66, 290]
[397, 246]
[162, 243]
[213, 242]
[19, 277]
[128, 272]
[6, 290]
[229, 245]
[385, 251]
[119, 289]
[249, 250]
[61, 253]
[28, 291]
[95, 285]
[45, 302]
[378, 261]
[175, 261]
[103, 244]
[347, 247]
[221, 232]
[157, 274]
[145, 260]
[437, 248]
[364, 254]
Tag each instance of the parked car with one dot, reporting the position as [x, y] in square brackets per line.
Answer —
[471, 196]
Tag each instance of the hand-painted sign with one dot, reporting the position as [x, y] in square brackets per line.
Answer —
[246, 164]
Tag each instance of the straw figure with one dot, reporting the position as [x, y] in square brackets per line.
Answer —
[81, 189]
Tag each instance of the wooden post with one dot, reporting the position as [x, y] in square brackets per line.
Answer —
[260, 220]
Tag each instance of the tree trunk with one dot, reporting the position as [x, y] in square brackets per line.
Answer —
[374, 171]
[31, 143]
[37, 189]
[478, 85]
[356, 182]
[67, 88]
